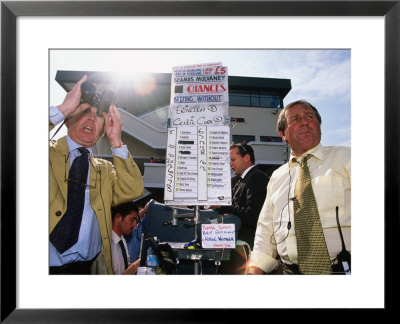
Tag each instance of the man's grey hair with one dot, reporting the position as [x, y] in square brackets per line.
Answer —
[282, 122]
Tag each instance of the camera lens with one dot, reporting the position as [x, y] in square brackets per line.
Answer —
[108, 96]
[88, 91]
[106, 99]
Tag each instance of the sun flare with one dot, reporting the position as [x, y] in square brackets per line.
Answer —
[143, 84]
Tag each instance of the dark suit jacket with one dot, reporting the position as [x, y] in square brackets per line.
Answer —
[248, 197]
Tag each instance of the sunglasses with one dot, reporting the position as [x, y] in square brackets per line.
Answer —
[244, 151]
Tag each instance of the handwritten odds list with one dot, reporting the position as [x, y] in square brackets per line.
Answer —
[197, 157]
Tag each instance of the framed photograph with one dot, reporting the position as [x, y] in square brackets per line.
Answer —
[194, 25]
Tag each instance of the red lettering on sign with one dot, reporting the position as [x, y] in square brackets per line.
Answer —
[206, 88]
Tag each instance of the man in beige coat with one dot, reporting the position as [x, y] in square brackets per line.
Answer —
[107, 184]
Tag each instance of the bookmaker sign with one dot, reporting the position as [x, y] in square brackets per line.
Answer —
[197, 157]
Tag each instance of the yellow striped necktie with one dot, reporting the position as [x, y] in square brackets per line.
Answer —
[312, 253]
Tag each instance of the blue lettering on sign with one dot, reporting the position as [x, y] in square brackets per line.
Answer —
[183, 99]
[225, 238]
[209, 98]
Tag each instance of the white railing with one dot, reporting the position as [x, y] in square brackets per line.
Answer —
[143, 131]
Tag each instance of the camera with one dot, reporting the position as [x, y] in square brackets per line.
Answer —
[99, 99]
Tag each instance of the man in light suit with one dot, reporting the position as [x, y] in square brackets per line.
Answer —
[107, 184]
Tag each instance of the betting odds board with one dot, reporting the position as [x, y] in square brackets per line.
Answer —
[197, 155]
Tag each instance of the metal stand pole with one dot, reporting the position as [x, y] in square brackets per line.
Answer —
[196, 221]
[196, 218]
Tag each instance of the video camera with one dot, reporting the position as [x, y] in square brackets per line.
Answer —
[99, 99]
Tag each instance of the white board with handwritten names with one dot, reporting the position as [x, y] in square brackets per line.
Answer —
[197, 155]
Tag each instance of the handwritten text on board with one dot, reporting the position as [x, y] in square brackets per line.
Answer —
[217, 236]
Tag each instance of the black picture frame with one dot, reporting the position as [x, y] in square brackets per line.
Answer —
[10, 10]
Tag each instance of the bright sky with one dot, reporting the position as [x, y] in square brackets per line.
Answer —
[321, 77]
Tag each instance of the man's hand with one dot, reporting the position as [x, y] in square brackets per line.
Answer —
[113, 126]
[72, 100]
[132, 267]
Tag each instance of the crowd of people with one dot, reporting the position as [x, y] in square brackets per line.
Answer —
[297, 221]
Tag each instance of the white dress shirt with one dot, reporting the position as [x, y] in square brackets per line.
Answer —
[330, 176]
[246, 171]
[117, 258]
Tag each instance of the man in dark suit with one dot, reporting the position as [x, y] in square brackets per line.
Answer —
[249, 190]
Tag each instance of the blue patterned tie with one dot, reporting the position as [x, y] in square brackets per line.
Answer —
[66, 232]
